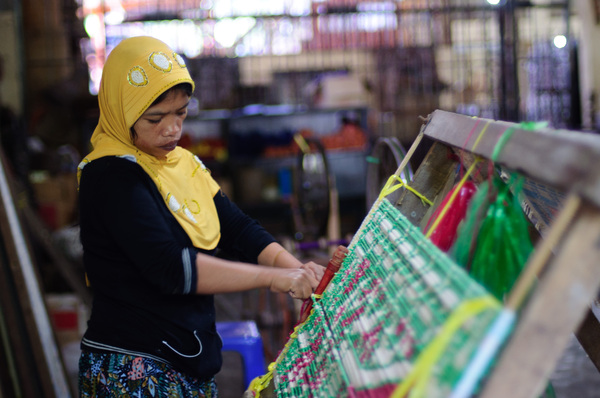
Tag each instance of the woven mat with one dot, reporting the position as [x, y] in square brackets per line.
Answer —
[388, 303]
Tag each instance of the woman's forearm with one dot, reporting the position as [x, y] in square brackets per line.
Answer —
[217, 275]
[274, 255]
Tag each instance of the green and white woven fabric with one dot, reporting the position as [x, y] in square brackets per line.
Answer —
[399, 316]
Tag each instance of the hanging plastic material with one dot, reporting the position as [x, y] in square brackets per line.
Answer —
[494, 244]
[450, 212]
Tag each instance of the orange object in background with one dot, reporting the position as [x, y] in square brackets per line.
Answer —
[350, 136]
[290, 149]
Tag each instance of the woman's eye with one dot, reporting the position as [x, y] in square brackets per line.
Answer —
[152, 121]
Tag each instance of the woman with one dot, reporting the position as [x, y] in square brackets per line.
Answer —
[151, 218]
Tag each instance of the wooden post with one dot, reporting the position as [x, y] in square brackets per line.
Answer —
[437, 169]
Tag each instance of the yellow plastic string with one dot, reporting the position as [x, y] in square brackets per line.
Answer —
[258, 384]
[480, 136]
[389, 188]
[416, 381]
[446, 207]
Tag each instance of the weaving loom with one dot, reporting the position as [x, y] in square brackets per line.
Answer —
[399, 316]
[399, 309]
[401, 319]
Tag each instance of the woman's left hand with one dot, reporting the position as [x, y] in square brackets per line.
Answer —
[315, 270]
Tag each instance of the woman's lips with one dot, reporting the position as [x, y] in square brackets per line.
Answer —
[170, 146]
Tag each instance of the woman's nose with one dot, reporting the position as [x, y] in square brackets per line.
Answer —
[173, 128]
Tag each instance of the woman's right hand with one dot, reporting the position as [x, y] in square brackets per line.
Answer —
[298, 282]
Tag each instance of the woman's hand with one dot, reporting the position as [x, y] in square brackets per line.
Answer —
[314, 269]
[298, 282]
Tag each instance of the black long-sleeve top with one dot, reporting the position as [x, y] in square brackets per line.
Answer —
[141, 266]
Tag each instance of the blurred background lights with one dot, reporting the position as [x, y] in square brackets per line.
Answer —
[560, 41]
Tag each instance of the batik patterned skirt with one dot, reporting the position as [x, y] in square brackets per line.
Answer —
[103, 375]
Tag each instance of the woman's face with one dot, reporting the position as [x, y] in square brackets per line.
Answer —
[158, 130]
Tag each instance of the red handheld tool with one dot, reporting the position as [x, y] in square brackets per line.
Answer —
[332, 267]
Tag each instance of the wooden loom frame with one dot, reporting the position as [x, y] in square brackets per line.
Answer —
[565, 259]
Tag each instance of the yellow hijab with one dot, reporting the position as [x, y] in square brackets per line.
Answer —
[136, 72]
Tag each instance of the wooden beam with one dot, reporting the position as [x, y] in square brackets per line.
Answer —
[429, 180]
[565, 160]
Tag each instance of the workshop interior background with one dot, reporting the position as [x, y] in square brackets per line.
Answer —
[348, 72]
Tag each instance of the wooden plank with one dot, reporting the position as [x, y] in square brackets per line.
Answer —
[552, 312]
[481, 171]
[562, 159]
[429, 180]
